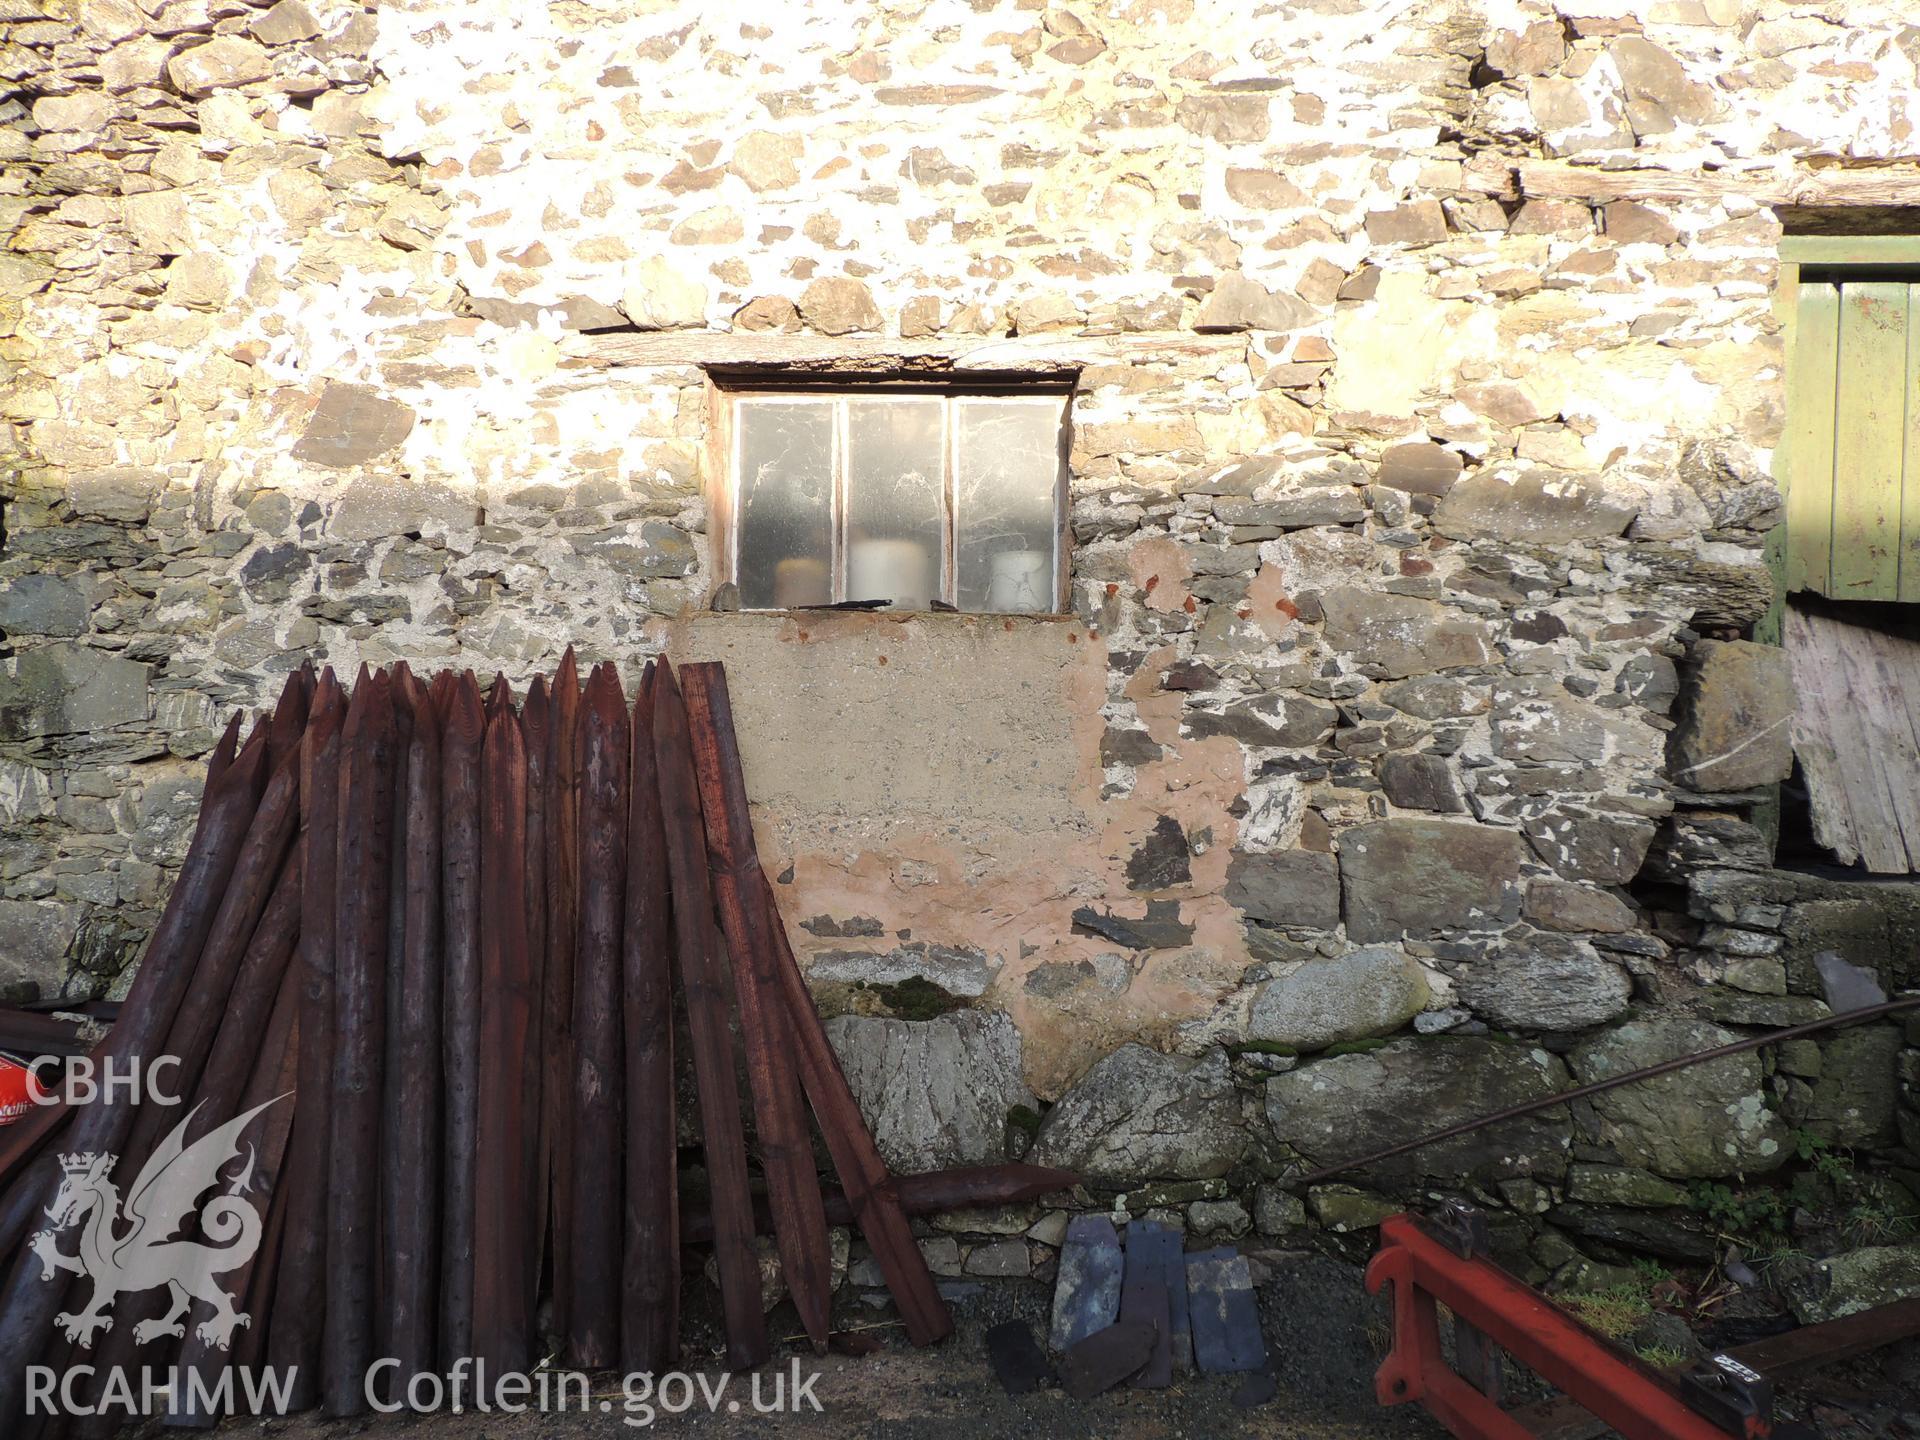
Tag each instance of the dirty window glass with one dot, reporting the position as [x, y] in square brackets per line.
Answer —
[785, 504]
[918, 500]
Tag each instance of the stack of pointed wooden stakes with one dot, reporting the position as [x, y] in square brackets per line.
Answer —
[449, 930]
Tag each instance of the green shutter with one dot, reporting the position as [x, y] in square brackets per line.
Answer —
[1853, 441]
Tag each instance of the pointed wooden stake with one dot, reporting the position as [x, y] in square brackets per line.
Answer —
[786, 1150]
[703, 980]
[650, 1294]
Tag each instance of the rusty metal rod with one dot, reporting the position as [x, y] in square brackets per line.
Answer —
[1665, 1067]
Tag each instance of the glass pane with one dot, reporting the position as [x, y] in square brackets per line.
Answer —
[786, 503]
[1008, 472]
[895, 511]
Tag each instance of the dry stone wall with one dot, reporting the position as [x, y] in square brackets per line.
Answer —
[1420, 478]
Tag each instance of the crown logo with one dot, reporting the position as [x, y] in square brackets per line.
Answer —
[78, 1162]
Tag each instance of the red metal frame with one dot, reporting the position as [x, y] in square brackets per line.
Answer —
[1614, 1386]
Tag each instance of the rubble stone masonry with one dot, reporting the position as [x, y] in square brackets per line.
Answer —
[1427, 368]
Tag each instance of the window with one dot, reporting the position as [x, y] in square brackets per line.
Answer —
[907, 496]
[1853, 417]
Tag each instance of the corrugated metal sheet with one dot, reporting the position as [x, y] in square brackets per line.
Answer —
[1856, 732]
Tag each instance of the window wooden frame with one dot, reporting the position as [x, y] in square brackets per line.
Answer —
[728, 392]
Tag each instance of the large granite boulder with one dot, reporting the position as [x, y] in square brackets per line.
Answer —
[1735, 718]
[1348, 1105]
[1139, 1115]
[1320, 1002]
[1416, 875]
[935, 1092]
[1708, 1120]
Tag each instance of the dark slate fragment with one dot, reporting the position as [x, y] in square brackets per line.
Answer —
[1161, 861]
[1226, 1316]
[1105, 1358]
[1161, 928]
[1154, 1262]
[1086, 1296]
[1018, 1362]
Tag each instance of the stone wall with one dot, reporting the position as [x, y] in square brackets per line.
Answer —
[1419, 482]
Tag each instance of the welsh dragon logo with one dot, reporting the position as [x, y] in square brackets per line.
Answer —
[135, 1247]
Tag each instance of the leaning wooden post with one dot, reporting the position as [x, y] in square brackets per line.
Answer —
[786, 1149]
[556, 1018]
[460, 790]
[650, 1289]
[366, 818]
[871, 1193]
[392, 1183]
[299, 1299]
[164, 977]
[413, 1113]
[502, 1308]
[272, 1079]
[594, 1292]
[703, 981]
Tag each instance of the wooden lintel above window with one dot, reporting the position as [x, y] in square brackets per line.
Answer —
[1514, 178]
[1049, 353]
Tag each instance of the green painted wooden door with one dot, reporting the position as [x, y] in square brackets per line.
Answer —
[1853, 440]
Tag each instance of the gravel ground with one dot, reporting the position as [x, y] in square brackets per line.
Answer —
[1322, 1329]
[1325, 1334]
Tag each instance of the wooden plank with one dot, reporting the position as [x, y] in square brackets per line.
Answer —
[460, 802]
[413, 1114]
[1851, 249]
[871, 1194]
[1049, 354]
[556, 1022]
[366, 817]
[593, 1318]
[650, 1290]
[1909, 546]
[1879, 673]
[1819, 687]
[1869, 442]
[786, 1149]
[502, 1226]
[1864, 744]
[1763, 183]
[703, 982]
[1812, 371]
